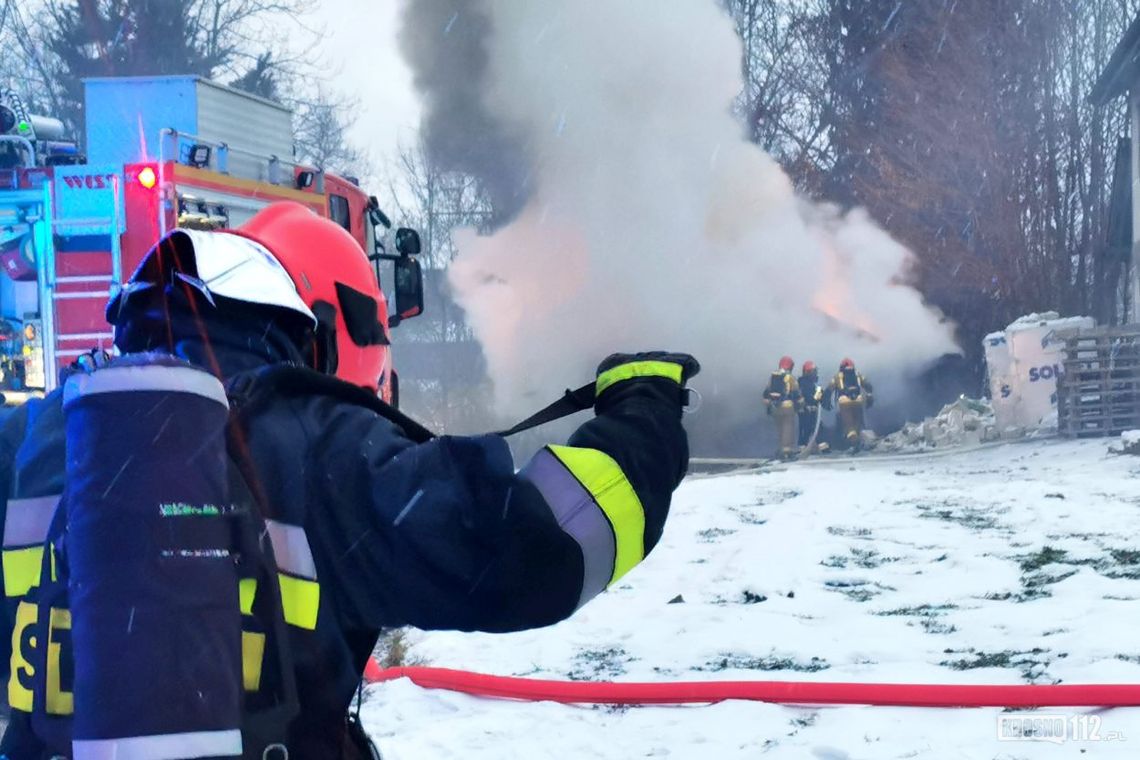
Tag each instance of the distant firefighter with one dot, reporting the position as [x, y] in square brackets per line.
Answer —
[783, 401]
[853, 394]
[812, 394]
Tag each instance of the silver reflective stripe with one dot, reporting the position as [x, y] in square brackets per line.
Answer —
[579, 515]
[148, 377]
[28, 520]
[161, 747]
[291, 549]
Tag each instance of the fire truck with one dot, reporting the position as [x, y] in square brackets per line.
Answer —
[160, 153]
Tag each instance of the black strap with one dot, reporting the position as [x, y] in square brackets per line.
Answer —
[571, 402]
[285, 379]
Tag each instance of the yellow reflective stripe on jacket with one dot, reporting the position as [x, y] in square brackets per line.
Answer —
[300, 600]
[22, 672]
[252, 655]
[58, 701]
[638, 369]
[22, 570]
[247, 590]
[603, 478]
[252, 642]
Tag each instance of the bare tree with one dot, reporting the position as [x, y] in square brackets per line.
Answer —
[51, 45]
[786, 99]
[27, 65]
[443, 375]
[321, 133]
[261, 46]
[963, 126]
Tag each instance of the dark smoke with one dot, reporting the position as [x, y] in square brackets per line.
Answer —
[444, 41]
[648, 219]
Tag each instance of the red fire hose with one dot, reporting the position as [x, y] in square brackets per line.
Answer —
[783, 692]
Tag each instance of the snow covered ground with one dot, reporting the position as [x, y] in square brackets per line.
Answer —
[1015, 564]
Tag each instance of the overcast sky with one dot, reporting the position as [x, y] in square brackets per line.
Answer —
[361, 46]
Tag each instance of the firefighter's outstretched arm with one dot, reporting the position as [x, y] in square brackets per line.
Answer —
[458, 540]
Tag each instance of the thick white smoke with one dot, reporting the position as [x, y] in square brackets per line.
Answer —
[651, 223]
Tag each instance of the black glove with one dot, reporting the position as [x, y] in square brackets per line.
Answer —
[665, 372]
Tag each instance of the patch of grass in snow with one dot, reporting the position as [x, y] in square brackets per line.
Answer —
[1120, 563]
[730, 661]
[712, 535]
[1132, 658]
[937, 627]
[864, 558]
[1132, 574]
[966, 514]
[801, 722]
[1027, 595]
[748, 517]
[928, 617]
[1032, 664]
[1126, 556]
[394, 650]
[599, 664]
[1047, 556]
[1125, 563]
[870, 558]
[858, 591]
[922, 610]
[746, 597]
[1033, 586]
[765, 498]
[1039, 580]
[839, 530]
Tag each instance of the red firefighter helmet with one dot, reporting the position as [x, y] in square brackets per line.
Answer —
[846, 364]
[336, 281]
[809, 367]
[285, 257]
[787, 364]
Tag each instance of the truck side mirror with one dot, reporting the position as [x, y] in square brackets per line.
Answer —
[409, 290]
[407, 242]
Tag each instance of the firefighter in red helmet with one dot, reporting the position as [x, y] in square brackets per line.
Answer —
[812, 393]
[853, 395]
[329, 518]
[783, 401]
[337, 283]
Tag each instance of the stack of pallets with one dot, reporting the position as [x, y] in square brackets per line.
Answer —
[1099, 393]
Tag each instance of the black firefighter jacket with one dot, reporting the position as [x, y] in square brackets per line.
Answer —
[439, 535]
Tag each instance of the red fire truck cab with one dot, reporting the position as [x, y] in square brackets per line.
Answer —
[160, 153]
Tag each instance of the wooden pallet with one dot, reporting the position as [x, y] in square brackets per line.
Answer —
[1099, 393]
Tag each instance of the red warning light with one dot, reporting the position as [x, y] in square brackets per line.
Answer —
[148, 178]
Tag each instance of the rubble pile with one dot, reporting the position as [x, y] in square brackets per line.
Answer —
[965, 422]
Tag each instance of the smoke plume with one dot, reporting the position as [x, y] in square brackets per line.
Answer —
[639, 216]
